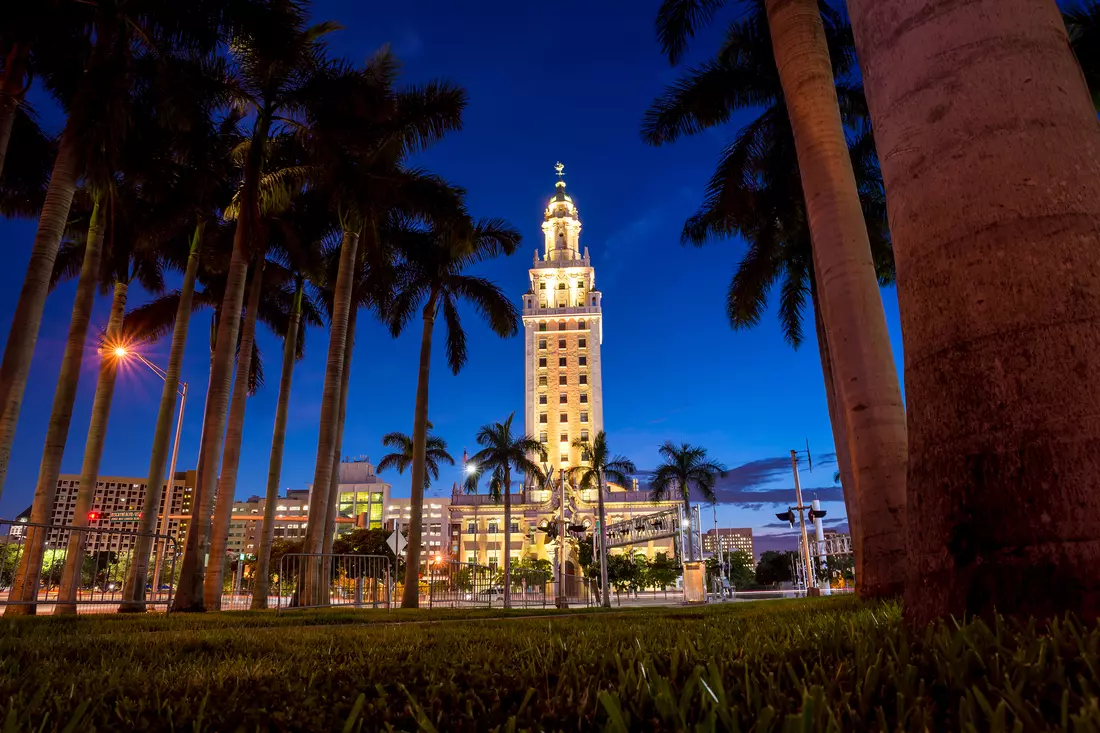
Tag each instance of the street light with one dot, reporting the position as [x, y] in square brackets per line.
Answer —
[122, 352]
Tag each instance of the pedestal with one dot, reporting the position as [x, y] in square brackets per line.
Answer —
[694, 582]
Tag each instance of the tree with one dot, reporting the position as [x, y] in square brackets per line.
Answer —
[774, 568]
[602, 467]
[850, 303]
[997, 286]
[685, 468]
[663, 571]
[434, 282]
[402, 458]
[1082, 20]
[501, 453]
[275, 56]
[91, 75]
[739, 566]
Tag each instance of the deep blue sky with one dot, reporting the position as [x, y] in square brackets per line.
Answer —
[566, 81]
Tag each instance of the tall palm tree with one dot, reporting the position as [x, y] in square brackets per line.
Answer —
[762, 48]
[434, 454]
[434, 282]
[602, 467]
[1082, 19]
[686, 467]
[997, 288]
[501, 453]
[92, 77]
[275, 55]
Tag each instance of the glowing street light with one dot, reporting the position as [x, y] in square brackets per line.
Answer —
[471, 468]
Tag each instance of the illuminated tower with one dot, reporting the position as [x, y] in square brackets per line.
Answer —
[563, 330]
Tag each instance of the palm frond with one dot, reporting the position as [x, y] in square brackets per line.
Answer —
[679, 20]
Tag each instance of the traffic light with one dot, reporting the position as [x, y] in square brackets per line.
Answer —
[815, 513]
[94, 516]
[787, 516]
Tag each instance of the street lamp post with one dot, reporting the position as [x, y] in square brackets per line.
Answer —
[162, 520]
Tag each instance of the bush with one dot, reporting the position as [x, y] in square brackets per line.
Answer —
[829, 664]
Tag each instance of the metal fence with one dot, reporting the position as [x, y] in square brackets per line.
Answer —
[468, 585]
[579, 592]
[318, 580]
[97, 578]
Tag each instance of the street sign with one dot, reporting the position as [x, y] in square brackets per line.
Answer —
[397, 543]
[125, 516]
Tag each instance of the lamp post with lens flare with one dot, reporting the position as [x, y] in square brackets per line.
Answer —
[123, 352]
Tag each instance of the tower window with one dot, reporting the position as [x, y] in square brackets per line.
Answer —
[561, 361]
[542, 363]
[561, 343]
[542, 437]
[542, 326]
[561, 286]
[542, 286]
[565, 437]
[562, 380]
[580, 283]
[593, 300]
[580, 324]
[584, 379]
[542, 399]
[584, 435]
[584, 398]
[584, 417]
[542, 381]
[563, 399]
[582, 343]
[582, 360]
[561, 325]
[542, 418]
[563, 458]
[542, 343]
[563, 417]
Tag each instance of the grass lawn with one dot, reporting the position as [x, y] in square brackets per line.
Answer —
[821, 664]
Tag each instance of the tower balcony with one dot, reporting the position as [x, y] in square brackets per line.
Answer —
[548, 312]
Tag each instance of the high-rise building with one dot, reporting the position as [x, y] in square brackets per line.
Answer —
[563, 330]
[725, 539]
[246, 522]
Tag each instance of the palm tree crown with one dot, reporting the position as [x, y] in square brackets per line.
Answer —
[503, 452]
[402, 458]
[685, 467]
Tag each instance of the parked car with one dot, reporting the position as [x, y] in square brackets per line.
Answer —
[491, 595]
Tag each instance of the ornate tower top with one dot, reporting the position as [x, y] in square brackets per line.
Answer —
[561, 225]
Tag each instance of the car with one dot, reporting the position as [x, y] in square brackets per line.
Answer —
[489, 595]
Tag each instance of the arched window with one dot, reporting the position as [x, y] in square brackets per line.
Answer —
[561, 325]
[580, 324]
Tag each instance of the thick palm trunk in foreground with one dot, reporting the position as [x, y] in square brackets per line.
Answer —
[341, 414]
[507, 538]
[314, 585]
[231, 454]
[12, 90]
[133, 593]
[851, 303]
[840, 442]
[27, 578]
[32, 298]
[93, 452]
[411, 593]
[990, 150]
[262, 582]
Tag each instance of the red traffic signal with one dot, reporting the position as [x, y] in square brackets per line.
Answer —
[93, 516]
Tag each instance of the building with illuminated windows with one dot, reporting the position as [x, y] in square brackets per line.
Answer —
[563, 400]
[727, 539]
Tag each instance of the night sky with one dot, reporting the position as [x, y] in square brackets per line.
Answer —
[564, 81]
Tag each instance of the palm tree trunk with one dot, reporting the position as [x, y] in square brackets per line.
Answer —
[840, 440]
[334, 481]
[189, 593]
[231, 454]
[989, 148]
[315, 584]
[26, 582]
[93, 452]
[848, 290]
[606, 600]
[25, 323]
[262, 582]
[411, 594]
[133, 593]
[508, 537]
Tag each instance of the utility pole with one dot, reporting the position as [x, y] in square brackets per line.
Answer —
[788, 516]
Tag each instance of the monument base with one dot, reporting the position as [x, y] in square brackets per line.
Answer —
[695, 590]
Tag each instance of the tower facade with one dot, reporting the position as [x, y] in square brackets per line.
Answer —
[563, 331]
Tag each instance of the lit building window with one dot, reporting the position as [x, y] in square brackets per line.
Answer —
[584, 417]
[561, 343]
[582, 343]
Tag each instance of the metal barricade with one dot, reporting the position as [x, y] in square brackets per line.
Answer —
[106, 556]
[453, 584]
[579, 592]
[320, 580]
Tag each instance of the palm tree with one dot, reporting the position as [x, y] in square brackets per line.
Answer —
[997, 280]
[92, 76]
[501, 453]
[754, 66]
[402, 458]
[686, 467]
[434, 282]
[276, 55]
[1083, 25]
[602, 467]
